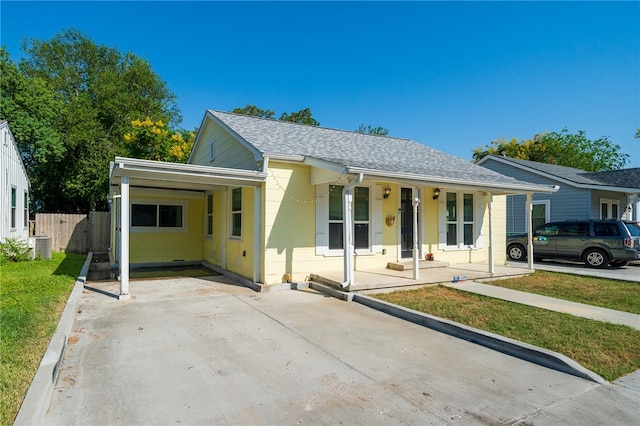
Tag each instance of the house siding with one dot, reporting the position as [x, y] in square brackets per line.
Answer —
[162, 247]
[13, 175]
[228, 151]
[567, 203]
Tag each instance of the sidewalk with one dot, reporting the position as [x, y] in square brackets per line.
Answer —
[550, 303]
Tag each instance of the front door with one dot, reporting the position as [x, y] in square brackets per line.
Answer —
[406, 223]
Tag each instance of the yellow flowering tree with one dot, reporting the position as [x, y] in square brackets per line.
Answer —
[151, 140]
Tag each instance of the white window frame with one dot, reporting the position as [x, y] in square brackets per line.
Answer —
[322, 221]
[547, 210]
[232, 213]
[26, 210]
[478, 212]
[159, 229]
[208, 214]
[13, 201]
[609, 203]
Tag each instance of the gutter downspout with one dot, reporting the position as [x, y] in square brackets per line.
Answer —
[347, 230]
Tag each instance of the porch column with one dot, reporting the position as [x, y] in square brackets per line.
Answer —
[529, 232]
[124, 238]
[491, 254]
[416, 251]
[257, 240]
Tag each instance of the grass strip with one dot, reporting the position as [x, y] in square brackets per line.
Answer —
[602, 292]
[32, 297]
[610, 350]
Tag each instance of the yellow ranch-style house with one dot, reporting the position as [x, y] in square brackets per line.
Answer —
[267, 202]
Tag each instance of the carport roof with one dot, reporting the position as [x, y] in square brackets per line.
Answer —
[159, 174]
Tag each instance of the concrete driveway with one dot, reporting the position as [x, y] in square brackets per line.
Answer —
[203, 351]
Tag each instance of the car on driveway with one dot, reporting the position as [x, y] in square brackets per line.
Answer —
[597, 243]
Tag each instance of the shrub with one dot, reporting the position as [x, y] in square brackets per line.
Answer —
[14, 250]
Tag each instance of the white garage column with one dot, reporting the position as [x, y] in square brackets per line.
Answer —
[257, 233]
[416, 251]
[124, 238]
[529, 232]
[491, 253]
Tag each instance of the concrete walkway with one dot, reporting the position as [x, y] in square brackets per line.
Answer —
[550, 303]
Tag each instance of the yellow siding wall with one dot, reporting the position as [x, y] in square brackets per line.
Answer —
[228, 152]
[240, 251]
[289, 223]
[157, 247]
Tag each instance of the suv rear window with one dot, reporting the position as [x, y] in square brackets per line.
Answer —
[634, 228]
[606, 229]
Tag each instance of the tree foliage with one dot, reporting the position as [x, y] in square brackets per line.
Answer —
[69, 103]
[304, 116]
[153, 141]
[561, 148]
[370, 130]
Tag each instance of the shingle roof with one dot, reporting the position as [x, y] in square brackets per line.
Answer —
[625, 178]
[357, 151]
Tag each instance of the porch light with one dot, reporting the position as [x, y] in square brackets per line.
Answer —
[387, 192]
[436, 193]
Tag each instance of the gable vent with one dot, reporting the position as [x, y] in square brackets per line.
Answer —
[212, 150]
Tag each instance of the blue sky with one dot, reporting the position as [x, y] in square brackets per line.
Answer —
[451, 75]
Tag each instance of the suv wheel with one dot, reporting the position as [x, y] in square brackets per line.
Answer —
[596, 258]
[516, 252]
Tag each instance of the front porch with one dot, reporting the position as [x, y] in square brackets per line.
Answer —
[385, 279]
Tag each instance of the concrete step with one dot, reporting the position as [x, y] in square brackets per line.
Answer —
[423, 264]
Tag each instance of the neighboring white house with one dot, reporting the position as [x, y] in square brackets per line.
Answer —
[14, 198]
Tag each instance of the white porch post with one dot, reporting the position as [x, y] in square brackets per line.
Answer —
[529, 232]
[491, 253]
[257, 240]
[124, 238]
[416, 251]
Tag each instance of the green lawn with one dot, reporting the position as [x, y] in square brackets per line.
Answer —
[618, 295]
[32, 297]
[609, 350]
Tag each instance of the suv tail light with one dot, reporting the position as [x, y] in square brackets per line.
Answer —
[628, 242]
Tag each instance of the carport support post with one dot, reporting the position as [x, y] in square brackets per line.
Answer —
[416, 252]
[529, 232]
[124, 238]
[491, 254]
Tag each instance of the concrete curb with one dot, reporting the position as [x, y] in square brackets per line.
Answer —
[515, 348]
[36, 403]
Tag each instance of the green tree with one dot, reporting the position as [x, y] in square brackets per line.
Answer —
[254, 111]
[562, 148]
[304, 116]
[370, 130]
[154, 141]
[96, 92]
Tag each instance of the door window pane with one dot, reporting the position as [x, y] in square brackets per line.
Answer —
[452, 237]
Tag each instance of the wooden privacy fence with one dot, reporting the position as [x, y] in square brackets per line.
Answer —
[75, 233]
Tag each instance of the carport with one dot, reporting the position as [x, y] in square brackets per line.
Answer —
[126, 173]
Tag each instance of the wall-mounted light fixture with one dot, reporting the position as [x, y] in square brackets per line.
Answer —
[436, 193]
[386, 192]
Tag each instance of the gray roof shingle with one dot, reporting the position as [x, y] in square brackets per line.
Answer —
[356, 150]
[624, 178]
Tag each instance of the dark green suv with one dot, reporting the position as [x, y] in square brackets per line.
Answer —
[597, 243]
